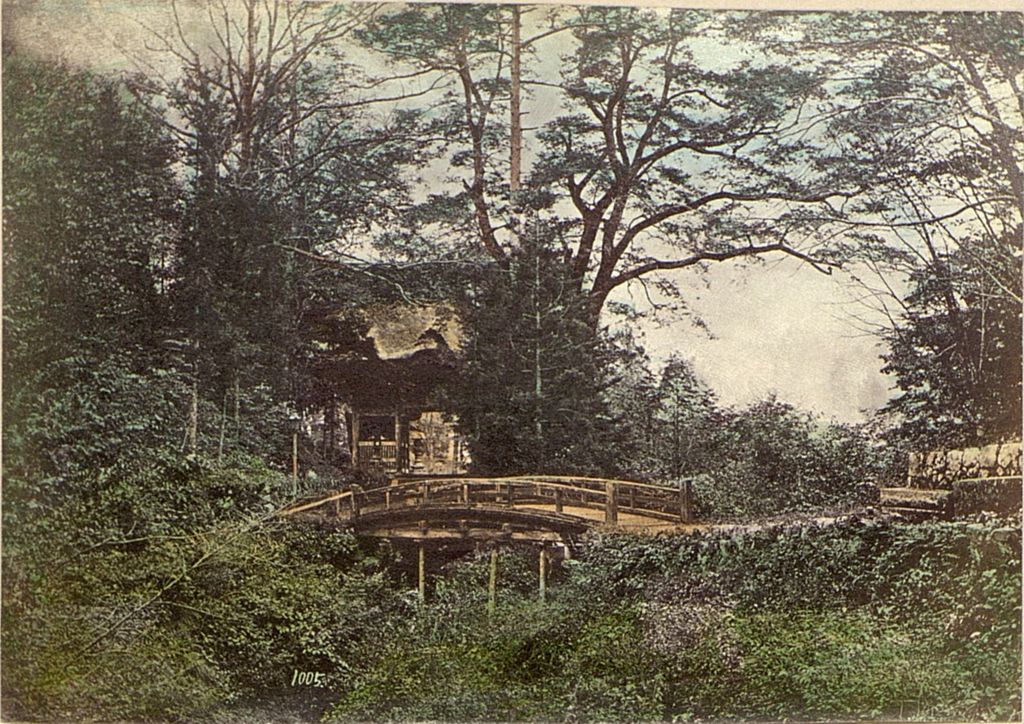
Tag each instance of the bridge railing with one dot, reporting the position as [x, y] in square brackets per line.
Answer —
[556, 493]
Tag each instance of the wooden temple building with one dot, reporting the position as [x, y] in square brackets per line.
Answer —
[388, 392]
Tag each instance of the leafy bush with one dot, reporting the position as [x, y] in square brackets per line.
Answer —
[1001, 496]
[771, 459]
[853, 620]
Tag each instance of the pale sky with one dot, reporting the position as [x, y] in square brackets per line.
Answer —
[777, 328]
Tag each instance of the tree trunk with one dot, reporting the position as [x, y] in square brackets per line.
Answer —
[516, 139]
[538, 379]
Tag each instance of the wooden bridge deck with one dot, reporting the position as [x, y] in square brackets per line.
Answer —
[534, 509]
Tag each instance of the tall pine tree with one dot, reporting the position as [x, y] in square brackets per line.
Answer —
[530, 398]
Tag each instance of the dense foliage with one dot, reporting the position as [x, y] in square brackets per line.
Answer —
[766, 459]
[861, 620]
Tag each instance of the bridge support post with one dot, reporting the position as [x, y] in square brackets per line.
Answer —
[611, 506]
[686, 501]
[492, 582]
[465, 493]
[424, 492]
[295, 462]
[543, 566]
[422, 572]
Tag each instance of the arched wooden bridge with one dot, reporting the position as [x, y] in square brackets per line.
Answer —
[535, 509]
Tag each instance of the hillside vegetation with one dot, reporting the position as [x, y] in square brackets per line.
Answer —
[857, 619]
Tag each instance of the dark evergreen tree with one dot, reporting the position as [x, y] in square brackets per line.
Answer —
[530, 398]
[956, 352]
[88, 209]
[632, 396]
[686, 421]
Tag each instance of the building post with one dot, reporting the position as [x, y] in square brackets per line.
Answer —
[355, 432]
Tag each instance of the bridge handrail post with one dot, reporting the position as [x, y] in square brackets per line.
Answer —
[686, 501]
[422, 573]
[611, 506]
[558, 500]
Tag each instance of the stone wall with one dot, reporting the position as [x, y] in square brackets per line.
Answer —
[940, 468]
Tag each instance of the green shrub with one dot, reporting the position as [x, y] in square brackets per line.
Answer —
[772, 459]
[1001, 496]
[827, 664]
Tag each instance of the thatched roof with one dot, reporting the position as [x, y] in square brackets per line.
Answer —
[399, 331]
[407, 354]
